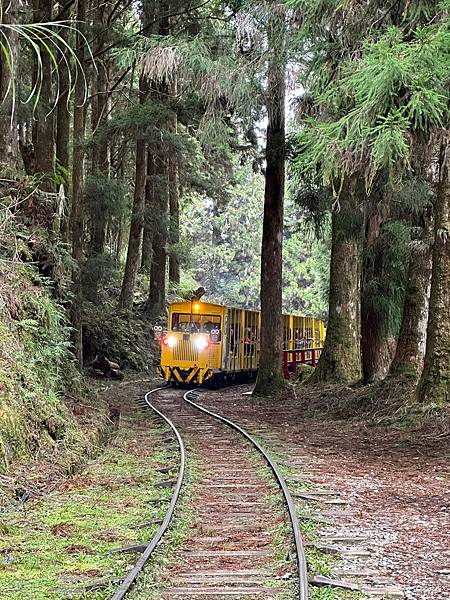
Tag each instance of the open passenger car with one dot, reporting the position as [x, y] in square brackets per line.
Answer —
[206, 342]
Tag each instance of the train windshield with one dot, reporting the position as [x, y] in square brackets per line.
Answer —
[188, 323]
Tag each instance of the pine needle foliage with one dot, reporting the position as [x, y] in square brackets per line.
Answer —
[103, 194]
[314, 201]
[397, 87]
[208, 66]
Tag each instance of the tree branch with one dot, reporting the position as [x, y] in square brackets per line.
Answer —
[144, 29]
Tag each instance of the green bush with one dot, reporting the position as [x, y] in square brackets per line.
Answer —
[36, 367]
[123, 338]
[303, 372]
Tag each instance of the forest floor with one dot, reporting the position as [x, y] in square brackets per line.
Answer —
[28, 479]
[66, 537]
[396, 483]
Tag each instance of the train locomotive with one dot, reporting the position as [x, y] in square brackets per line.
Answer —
[207, 342]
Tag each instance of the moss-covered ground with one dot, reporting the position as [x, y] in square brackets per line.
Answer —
[153, 580]
[41, 391]
[63, 543]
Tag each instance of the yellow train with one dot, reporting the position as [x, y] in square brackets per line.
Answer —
[206, 342]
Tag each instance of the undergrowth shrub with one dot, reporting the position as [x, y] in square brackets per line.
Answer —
[36, 367]
[46, 410]
[126, 339]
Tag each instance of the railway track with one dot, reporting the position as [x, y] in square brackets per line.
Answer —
[230, 554]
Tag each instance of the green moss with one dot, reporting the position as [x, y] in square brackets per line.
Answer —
[36, 369]
[68, 540]
[150, 584]
[328, 593]
[303, 372]
[124, 338]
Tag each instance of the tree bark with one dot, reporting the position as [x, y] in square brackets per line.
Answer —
[270, 374]
[118, 243]
[77, 190]
[43, 142]
[158, 275]
[9, 137]
[408, 358]
[147, 238]
[174, 228]
[410, 350]
[157, 287]
[100, 158]
[434, 385]
[62, 111]
[174, 201]
[341, 357]
[63, 134]
[375, 353]
[137, 222]
[100, 154]
[138, 211]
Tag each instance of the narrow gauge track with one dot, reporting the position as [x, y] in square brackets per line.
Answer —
[127, 583]
[243, 497]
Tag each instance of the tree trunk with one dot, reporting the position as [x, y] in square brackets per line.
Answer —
[434, 385]
[118, 243]
[9, 137]
[138, 211]
[137, 222]
[43, 122]
[62, 114]
[374, 344]
[158, 276]
[63, 134]
[100, 154]
[270, 374]
[77, 190]
[410, 350]
[174, 228]
[147, 238]
[341, 358]
[157, 287]
[408, 358]
[174, 201]
[100, 158]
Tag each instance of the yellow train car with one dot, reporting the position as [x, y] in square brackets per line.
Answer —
[206, 342]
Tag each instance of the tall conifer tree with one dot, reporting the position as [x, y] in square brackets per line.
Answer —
[270, 367]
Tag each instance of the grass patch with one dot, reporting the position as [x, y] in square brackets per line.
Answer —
[327, 593]
[67, 540]
[151, 581]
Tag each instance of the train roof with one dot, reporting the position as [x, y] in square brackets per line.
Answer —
[181, 302]
[202, 302]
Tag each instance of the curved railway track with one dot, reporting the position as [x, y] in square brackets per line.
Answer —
[135, 571]
[190, 398]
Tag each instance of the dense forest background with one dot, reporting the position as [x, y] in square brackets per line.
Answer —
[150, 148]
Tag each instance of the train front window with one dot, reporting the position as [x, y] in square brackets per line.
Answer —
[187, 323]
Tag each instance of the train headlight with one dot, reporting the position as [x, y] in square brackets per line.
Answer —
[171, 341]
[201, 342]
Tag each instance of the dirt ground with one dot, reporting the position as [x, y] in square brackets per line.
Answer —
[397, 484]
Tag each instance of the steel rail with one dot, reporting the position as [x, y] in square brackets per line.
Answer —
[133, 574]
[300, 550]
